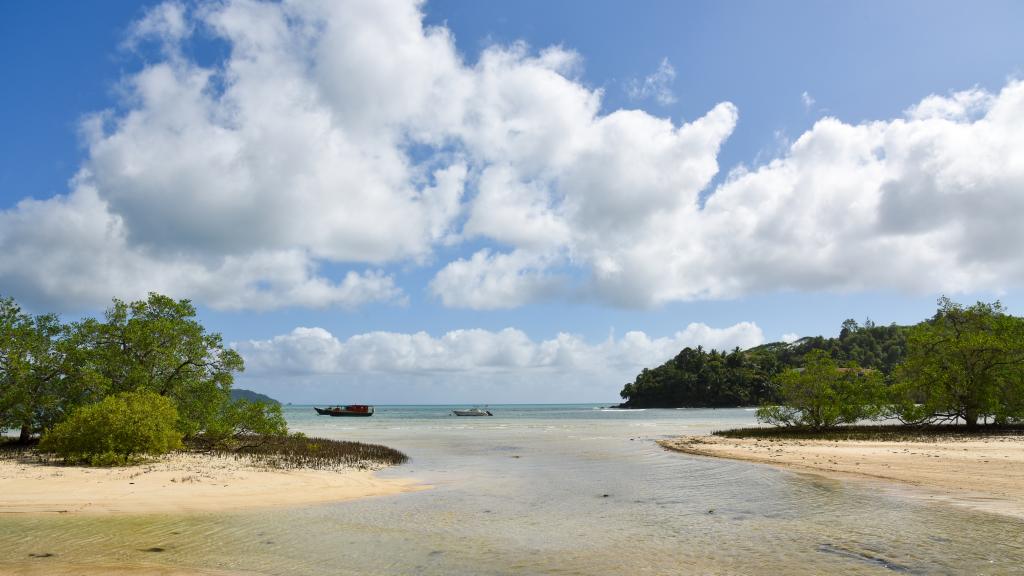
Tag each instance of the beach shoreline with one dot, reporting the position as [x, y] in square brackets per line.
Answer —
[181, 483]
[984, 474]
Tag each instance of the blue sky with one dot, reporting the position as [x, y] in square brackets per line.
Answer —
[510, 178]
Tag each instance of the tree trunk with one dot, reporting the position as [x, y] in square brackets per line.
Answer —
[26, 433]
[971, 417]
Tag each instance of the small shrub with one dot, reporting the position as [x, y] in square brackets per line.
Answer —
[243, 420]
[116, 430]
[823, 395]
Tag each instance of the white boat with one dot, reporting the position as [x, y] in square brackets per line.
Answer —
[472, 412]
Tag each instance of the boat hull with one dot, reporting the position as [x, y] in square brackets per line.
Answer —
[344, 412]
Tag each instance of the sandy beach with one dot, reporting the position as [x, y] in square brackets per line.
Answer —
[180, 483]
[983, 473]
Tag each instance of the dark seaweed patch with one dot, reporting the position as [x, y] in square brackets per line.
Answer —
[866, 558]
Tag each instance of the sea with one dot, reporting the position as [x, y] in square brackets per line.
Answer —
[549, 489]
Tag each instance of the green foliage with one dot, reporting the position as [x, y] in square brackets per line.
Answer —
[157, 345]
[35, 388]
[822, 394]
[49, 369]
[116, 430]
[880, 348]
[243, 420]
[697, 378]
[964, 364]
[259, 418]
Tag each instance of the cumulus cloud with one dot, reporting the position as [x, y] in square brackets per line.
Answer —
[343, 133]
[485, 360]
[927, 202]
[80, 255]
[337, 139]
[167, 23]
[488, 281]
[922, 203]
[233, 184]
[657, 85]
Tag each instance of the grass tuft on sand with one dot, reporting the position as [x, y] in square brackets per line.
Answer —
[880, 433]
[293, 452]
[302, 452]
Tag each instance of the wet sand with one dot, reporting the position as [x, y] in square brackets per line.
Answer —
[180, 483]
[44, 568]
[984, 474]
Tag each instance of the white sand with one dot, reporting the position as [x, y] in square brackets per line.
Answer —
[180, 483]
[980, 473]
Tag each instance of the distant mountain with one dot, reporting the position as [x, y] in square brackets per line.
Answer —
[243, 394]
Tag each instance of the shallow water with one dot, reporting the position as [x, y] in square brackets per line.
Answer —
[551, 490]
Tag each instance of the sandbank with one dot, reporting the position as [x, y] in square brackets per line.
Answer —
[980, 473]
[180, 483]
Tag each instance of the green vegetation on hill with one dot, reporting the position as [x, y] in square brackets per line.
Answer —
[963, 365]
[700, 378]
[243, 394]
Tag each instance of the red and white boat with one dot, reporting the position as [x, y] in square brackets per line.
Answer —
[350, 410]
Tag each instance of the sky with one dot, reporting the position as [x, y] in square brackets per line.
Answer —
[523, 201]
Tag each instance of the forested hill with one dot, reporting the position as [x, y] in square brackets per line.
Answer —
[700, 378]
[243, 394]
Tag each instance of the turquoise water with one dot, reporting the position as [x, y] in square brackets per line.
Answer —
[567, 489]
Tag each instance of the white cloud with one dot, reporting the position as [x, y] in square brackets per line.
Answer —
[483, 360]
[959, 106]
[921, 204]
[807, 100]
[790, 337]
[232, 185]
[295, 151]
[657, 85]
[515, 212]
[930, 202]
[80, 255]
[71, 251]
[317, 351]
[347, 136]
[166, 23]
[630, 185]
[490, 281]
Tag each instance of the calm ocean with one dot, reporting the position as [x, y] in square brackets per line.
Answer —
[567, 489]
